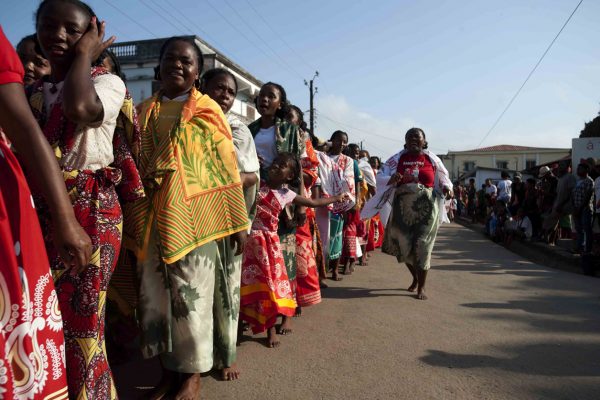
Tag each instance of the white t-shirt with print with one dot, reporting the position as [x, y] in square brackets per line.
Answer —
[504, 190]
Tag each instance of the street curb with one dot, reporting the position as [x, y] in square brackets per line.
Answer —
[536, 252]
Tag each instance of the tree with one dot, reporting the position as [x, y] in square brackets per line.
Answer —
[592, 128]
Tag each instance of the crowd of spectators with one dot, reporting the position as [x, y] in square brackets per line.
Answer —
[557, 204]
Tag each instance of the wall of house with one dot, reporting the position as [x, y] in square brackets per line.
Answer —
[455, 162]
[483, 174]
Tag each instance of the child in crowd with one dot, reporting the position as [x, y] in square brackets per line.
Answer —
[519, 227]
[36, 66]
[266, 291]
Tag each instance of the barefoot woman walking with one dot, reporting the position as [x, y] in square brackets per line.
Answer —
[421, 182]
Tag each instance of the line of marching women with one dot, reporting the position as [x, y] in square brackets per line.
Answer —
[217, 226]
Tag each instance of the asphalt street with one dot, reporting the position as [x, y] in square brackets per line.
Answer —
[495, 327]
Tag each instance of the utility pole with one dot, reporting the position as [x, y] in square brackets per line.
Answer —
[313, 90]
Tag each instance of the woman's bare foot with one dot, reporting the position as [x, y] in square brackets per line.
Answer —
[421, 294]
[286, 326]
[298, 312]
[190, 388]
[230, 373]
[272, 340]
[347, 270]
[335, 276]
[167, 382]
[413, 286]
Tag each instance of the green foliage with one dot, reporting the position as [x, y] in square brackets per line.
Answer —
[592, 128]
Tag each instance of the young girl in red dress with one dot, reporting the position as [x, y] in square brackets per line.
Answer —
[266, 291]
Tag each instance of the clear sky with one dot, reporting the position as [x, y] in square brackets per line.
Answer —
[449, 67]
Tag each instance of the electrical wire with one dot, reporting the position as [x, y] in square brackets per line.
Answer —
[265, 42]
[178, 27]
[399, 141]
[529, 76]
[359, 129]
[278, 35]
[130, 18]
[190, 24]
[241, 33]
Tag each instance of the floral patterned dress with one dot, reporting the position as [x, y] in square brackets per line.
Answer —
[308, 290]
[266, 291]
[95, 196]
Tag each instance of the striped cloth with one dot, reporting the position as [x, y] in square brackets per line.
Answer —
[191, 176]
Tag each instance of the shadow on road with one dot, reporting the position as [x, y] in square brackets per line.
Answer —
[358, 292]
[570, 307]
[547, 359]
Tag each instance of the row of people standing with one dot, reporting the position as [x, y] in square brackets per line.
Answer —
[218, 215]
[176, 192]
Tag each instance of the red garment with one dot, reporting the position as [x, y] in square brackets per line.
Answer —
[351, 221]
[410, 165]
[30, 319]
[308, 290]
[265, 289]
[376, 230]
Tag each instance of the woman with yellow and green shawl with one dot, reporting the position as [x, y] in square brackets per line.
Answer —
[194, 197]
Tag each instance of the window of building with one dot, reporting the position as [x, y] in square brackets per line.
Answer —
[530, 164]
[502, 164]
[469, 166]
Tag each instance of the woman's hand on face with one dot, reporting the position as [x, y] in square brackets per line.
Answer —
[91, 43]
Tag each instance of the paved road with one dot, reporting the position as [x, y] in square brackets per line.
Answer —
[495, 327]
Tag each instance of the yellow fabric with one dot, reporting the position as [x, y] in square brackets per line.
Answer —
[193, 187]
[170, 110]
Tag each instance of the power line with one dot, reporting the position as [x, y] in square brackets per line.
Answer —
[359, 129]
[378, 149]
[529, 76]
[177, 27]
[370, 132]
[192, 24]
[241, 32]
[277, 34]
[262, 39]
[131, 19]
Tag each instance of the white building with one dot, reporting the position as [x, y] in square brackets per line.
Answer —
[139, 58]
[500, 157]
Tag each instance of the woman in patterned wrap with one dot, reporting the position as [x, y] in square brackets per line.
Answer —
[77, 106]
[194, 199]
[418, 183]
[221, 85]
